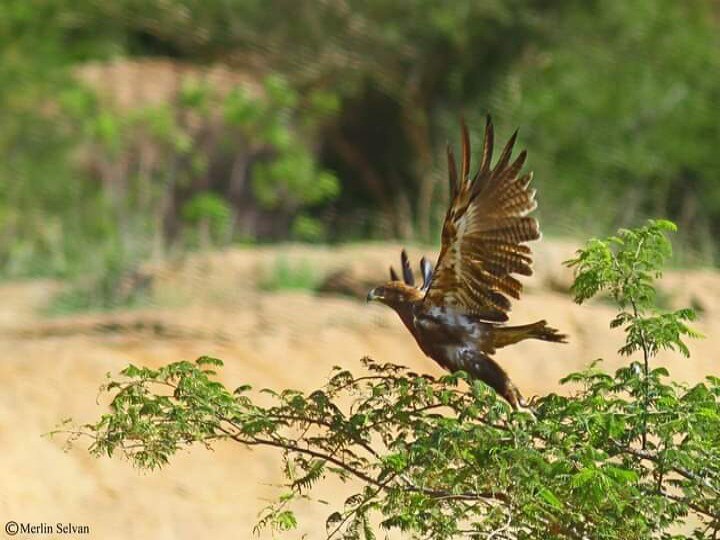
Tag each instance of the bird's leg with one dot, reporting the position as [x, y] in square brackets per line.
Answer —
[487, 370]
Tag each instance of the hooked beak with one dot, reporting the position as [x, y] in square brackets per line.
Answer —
[373, 295]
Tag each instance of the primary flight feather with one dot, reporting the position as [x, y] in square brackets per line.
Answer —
[457, 314]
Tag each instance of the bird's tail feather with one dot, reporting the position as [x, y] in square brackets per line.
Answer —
[507, 335]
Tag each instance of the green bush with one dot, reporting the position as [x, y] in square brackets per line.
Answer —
[630, 455]
[116, 286]
[285, 275]
[211, 214]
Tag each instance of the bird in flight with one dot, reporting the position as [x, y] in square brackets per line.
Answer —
[457, 314]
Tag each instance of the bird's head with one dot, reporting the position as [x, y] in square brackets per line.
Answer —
[398, 292]
[394, 294]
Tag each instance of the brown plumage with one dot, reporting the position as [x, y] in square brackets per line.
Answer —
[457, 314]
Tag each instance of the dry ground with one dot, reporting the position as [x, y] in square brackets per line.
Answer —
[210, 304]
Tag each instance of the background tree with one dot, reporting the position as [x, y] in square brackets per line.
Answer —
[616, 107]
[614, 101]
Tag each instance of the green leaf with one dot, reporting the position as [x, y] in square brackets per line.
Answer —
[548, 496]
[209, 361]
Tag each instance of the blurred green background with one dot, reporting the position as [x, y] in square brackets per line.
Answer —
[135, 130]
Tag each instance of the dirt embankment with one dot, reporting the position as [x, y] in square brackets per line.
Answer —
[211, 304]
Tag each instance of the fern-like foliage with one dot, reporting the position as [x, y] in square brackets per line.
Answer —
[630, 455]
[626, 266]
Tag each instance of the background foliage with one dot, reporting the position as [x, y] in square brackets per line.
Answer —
[332, 122]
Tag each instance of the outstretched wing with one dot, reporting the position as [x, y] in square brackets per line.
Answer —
[484, 234]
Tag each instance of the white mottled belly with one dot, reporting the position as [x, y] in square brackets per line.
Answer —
[451, 338]
[457, 325]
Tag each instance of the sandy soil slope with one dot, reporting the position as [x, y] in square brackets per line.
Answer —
[210, 304]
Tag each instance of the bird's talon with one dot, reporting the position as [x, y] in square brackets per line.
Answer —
[526, 410]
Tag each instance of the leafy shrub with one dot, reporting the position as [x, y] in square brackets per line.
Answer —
[210, 213]
[308, 229]
[289, 178]
[117, 286]
[285, 275]
[630, 455]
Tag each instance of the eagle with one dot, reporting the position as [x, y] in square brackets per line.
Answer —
[458, 314]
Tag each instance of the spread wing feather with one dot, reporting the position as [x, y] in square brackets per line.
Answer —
[408, 275]
[484, 232]
[426, 269]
